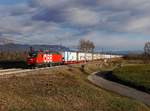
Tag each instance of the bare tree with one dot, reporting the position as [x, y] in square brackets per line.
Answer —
[146, 57]
[86, 45]
[147, 48]
[6, 41]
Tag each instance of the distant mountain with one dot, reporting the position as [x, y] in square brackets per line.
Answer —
[128, 52]
[20, 47]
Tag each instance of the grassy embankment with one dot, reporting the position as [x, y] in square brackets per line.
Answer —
[137, 75]
[61, 89]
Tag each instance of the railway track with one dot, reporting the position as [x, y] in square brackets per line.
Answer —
[21, 72]
[12, 71]
[7, 72]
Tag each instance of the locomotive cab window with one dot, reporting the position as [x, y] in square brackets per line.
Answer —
[33, 54]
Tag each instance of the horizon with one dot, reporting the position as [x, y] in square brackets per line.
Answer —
[115, 25]
[75, 48]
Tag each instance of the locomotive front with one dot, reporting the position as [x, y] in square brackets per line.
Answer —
[32, 57]
[44, 58]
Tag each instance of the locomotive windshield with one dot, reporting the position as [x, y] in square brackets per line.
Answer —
[33, 54]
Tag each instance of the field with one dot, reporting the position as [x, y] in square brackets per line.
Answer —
[61, 89]
[137, 75]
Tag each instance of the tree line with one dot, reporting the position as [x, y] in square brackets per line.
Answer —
[86, 45]
[145, 56]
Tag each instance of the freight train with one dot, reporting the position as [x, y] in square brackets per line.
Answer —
[48, 58]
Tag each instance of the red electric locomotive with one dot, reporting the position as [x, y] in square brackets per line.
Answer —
[44, 58]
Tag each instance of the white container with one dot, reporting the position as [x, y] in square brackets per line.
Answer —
[96, 56]
[81, 56]
[88, 56]
[70, 56]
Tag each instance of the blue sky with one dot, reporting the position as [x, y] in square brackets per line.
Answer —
[115, 24]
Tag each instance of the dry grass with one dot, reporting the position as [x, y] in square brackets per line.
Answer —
[64, 89]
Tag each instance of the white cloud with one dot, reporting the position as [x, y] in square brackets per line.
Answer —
[49, 3]
[49, 21]
[125, 4]
[138, 24]
[115, 41]
[82, 17]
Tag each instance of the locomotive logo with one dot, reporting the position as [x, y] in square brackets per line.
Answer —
[47, 58]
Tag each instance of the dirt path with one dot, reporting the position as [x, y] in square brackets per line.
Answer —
[119, 88]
